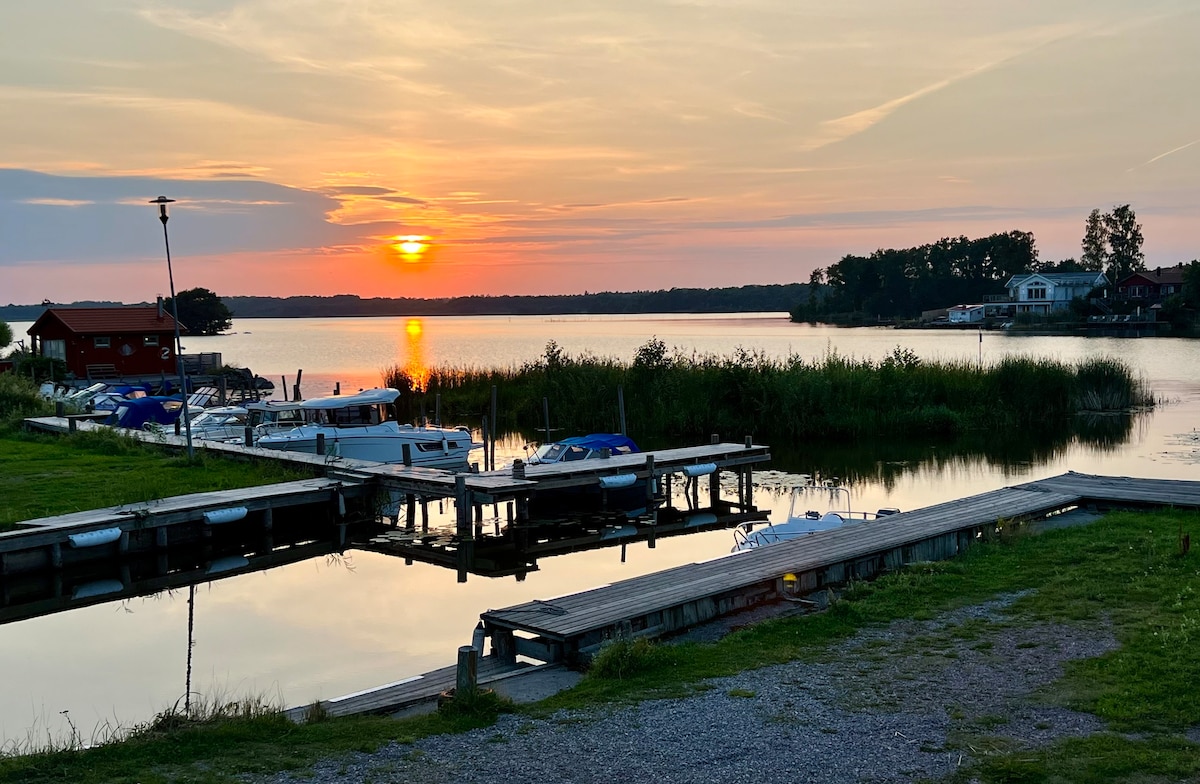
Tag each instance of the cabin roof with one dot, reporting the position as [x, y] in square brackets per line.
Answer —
[1061, 278]
[103, 321]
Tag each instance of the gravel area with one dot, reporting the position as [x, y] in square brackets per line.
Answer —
[892, 704]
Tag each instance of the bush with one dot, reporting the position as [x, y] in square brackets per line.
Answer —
[19, 399]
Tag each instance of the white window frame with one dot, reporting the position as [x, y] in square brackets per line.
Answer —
[150, 340]
[101, 341]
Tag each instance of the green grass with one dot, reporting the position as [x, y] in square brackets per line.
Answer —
[44, 475]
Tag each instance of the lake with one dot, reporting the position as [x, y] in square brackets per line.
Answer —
[338, 624]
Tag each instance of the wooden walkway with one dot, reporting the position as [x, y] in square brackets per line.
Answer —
[669, 601]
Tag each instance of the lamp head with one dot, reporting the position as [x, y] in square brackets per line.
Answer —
[162, 202]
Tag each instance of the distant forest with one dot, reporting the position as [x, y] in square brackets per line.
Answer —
[742, 299]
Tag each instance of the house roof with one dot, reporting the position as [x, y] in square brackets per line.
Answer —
[1061, 278]
[102, 321]
[1158, 275]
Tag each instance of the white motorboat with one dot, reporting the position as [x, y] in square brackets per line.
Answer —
[263, 417]
[802, 521]
[363, 427]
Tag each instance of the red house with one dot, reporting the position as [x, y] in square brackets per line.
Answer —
[1152, 285]
[107, 342]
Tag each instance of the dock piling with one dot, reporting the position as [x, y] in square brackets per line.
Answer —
[465, 682]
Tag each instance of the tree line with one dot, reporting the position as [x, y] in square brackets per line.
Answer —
[901, 283]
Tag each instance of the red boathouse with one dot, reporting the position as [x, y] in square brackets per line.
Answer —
[108, 342]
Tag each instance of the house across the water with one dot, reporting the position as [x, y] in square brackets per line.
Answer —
[1044, 292]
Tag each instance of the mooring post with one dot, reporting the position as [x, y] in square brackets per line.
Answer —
[406, 451]
[437, 409]
[222, 391]
[715, 439]
[248, 436]
[649, 477]
[491, 446]
[749, 442]
[462, 506]
[296, 387]
[72, 425]
[465, 680]
[321, 443]
[714, 489]
[546, 417]
[337, 387]
[176, 427]
[284, 387]
[410, 508]
[621, 406]
[424, 514]
[487, 460]
[60, 408]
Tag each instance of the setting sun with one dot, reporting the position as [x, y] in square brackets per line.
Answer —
[411, 246]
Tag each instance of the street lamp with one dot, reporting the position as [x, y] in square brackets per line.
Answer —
[162, 202]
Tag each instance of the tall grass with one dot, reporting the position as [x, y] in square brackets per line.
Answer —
[671, 394]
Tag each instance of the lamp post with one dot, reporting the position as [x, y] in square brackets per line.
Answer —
[162, 202]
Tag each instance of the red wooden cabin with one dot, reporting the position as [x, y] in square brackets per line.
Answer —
[108, 342]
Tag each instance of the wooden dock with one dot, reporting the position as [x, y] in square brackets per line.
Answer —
[563, 628]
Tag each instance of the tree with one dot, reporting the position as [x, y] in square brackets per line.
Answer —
[1124, 243]
[201, 311]
[6, 335]
[1095, 242]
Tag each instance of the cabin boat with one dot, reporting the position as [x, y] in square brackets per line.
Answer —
[612, 492]
[587, 447]
[801, 521]
[363, 427]
[263, 417]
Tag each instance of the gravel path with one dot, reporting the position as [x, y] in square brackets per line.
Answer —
[914, 699]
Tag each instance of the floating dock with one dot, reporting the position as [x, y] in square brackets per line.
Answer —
[559, 631]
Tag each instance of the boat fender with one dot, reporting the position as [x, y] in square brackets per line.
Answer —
[477, 638]
[95, 538]
[227, 515]
[228, 563]
[97, 588]
[700, 469]
[617, 481]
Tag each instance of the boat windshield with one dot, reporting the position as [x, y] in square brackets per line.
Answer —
[349, 416]
[560, 453]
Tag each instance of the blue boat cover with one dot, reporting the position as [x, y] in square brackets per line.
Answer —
[137, 412]
[613, 441]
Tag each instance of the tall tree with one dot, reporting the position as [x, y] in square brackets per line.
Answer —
[1124, 243]
[1095, 242]
[201, 311]
[6, 334]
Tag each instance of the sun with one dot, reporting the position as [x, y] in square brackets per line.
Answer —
[411, 246]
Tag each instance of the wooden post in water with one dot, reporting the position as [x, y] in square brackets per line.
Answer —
[465, 678]
[621, 406]
[248, 436]
[714, 489]
[437, 409]
[296, 388]
[715, 439]
[60, 408]
[72, 425]
[495, 426]
[649, 477]
[546, 417]
[466, 543]
[320, 444]
[487, 464]
[406, 451]
[222, 391]
[337, 387]
[284, 386]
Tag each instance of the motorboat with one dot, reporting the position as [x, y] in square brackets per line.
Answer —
[262, 417]
[587, 447]
[802, 521]
[620, 490]
[363, 427]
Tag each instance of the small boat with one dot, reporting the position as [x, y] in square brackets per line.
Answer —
[616, 491]
[363, 427]
[587, 447]
[801, 521]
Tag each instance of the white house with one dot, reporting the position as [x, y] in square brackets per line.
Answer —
[966, 314]
[1044, 292]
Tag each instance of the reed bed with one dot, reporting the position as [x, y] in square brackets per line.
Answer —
[670, 394]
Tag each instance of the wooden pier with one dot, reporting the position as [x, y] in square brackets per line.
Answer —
[567, 627]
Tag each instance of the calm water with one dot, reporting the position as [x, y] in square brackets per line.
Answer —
[334, 625]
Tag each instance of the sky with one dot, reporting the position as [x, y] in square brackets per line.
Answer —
[537, 148]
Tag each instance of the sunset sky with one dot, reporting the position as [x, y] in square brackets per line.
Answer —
[557, 148]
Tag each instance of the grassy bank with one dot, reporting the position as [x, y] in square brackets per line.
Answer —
[1126, 569]
[43, 475]
[668, 394]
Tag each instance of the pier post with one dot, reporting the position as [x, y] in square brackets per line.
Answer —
[56, 555]
[504, 646]
[72, 425]
[714, 489]
[123, 543]
[491, 446]
[749, 442]
[410, 509]
[222, 391]
[621, 406]
[715, 439]
[248, 436]
[60, 408]
[487, 439]
[546, 417]
[650, 477]
[176, 427]
[320, 444]
[296, 386]
[749, 488]
[437, 409]
[406, 451]
[424, 514]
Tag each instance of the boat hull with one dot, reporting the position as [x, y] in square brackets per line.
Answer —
[429, 448]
